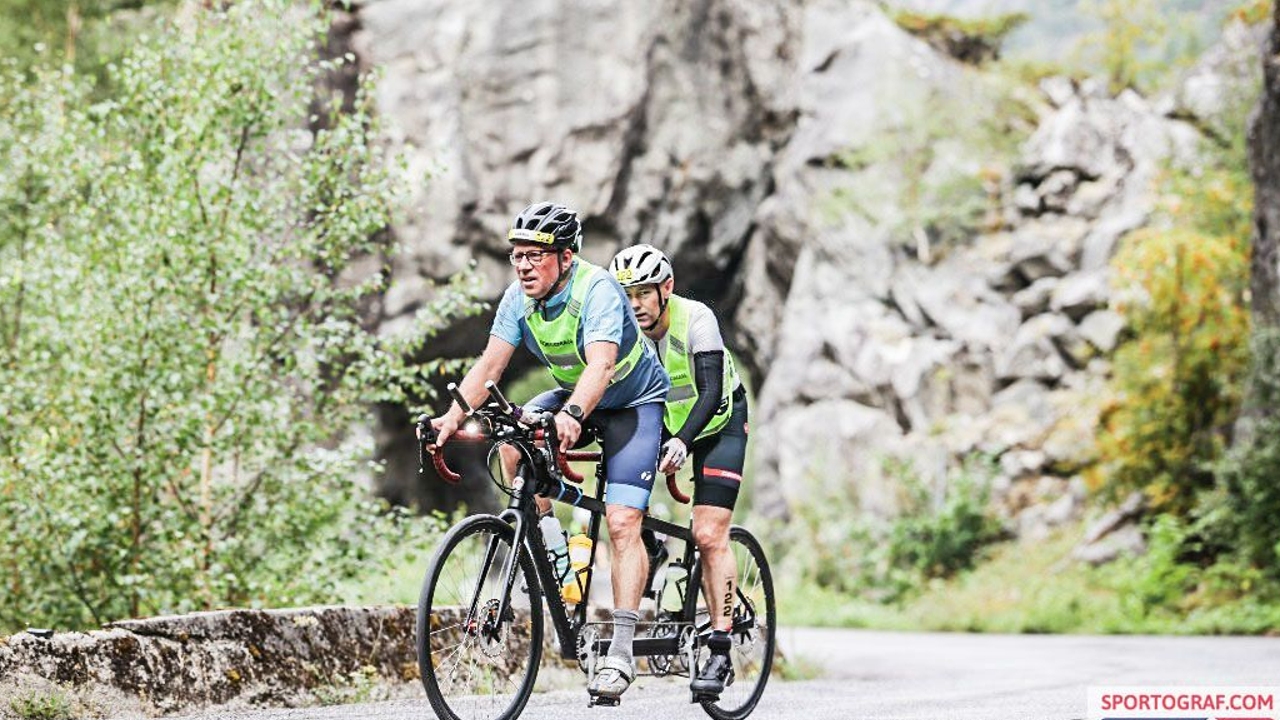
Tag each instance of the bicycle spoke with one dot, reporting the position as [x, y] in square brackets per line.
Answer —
[475, 662]
[753, 631]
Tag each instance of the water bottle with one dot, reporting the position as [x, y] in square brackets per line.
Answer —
[673, 589]
[557, 550]
[581, 519]
[579, 559]
[659, 581]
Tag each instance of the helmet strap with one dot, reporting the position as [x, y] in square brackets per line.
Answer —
[555, 286]
[662, 309]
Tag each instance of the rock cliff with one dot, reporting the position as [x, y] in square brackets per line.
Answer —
[908, 253]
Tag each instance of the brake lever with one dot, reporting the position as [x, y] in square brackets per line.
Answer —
[426, 435]
[545, 425]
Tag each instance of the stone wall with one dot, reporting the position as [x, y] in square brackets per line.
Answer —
[234, 657]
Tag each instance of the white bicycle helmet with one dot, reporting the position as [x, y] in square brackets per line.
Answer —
[641, 265]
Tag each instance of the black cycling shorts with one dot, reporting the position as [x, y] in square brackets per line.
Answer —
[718, 459]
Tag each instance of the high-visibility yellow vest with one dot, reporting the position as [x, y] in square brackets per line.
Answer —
[678, 361]
[558, 339]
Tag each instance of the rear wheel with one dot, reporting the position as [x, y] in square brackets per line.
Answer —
[754, 625]
[477, 661]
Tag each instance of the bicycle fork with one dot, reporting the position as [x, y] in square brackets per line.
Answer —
[509, 567]
[475, 623]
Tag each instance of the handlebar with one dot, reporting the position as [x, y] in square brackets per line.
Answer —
[499, 398]
[675, 491]
[457, 397]
[543, 429]
[427, 436]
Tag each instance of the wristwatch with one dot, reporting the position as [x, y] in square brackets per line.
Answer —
[574, 411]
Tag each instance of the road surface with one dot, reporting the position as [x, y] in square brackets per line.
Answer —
[912, 676]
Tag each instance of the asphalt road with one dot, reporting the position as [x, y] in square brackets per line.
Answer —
[914, 676]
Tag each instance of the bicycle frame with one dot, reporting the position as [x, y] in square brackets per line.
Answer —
[521, 512]
[482, 654]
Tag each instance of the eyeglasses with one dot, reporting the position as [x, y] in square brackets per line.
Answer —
[535, 257]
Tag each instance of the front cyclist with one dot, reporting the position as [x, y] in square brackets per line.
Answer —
[706, 412]
[577, 322]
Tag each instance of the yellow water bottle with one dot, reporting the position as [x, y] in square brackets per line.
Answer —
[579, 558]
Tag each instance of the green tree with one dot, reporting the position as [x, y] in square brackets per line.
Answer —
[80, 33]
[182, 271]
[1131, 32]
[1177, 382]
[1244, 515]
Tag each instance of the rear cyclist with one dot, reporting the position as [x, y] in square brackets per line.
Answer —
[706, 413]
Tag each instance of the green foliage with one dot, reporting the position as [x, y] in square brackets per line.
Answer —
[1160, 580]
[1243, 514]
[85, 34]
[922, 177]
[1253, 12]
[993, 27]
[1184, 579]
[359, 686]
[1037, 586]
[42, 705]
[1177, 381]
[974, 40]
[937, 533]
[1140, 42]
[180, 327]
[1128, 25]
[938, 536]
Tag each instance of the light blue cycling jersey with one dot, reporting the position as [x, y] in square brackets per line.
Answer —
[606, 317]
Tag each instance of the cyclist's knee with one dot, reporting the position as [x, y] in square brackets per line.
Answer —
[711, 536]
[624, 523]
[711, 527]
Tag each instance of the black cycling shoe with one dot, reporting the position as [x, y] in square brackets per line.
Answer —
[711, 680]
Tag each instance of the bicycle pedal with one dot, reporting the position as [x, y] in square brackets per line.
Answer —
[604, 700]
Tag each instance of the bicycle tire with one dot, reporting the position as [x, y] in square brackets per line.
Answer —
[754, 644]
[467, 663]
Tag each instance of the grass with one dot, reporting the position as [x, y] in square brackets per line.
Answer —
[796, 667]
[37, 705]
[399, 586]
[1036, 587]
[360, 686]
[1024, 587]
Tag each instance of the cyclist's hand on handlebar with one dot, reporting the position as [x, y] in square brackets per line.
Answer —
[445, 427]
[568, 430]
[673, 455]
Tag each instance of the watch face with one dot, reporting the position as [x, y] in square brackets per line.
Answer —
[574, 411]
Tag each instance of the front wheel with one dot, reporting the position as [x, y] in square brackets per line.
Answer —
[476, 660]
[754, 625]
